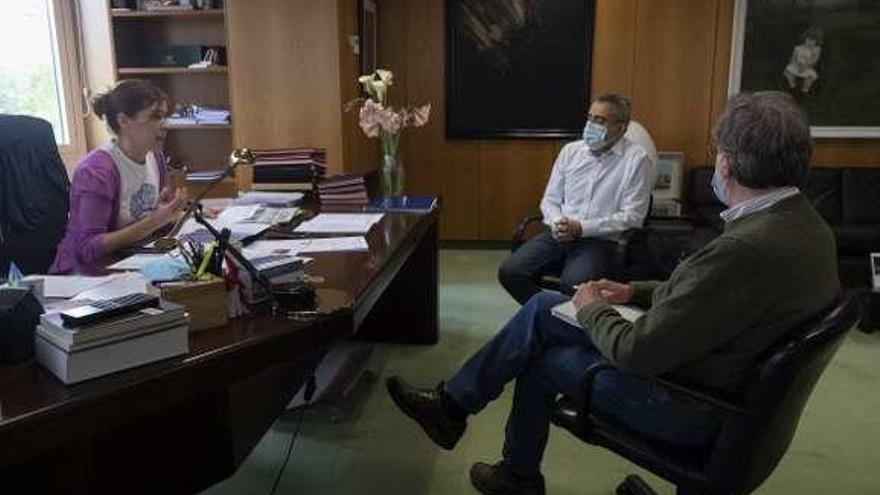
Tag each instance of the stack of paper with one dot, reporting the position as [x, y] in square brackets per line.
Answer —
[269, 198]
[302, 246]
[80, 353]
[567, 313]
[351, 223]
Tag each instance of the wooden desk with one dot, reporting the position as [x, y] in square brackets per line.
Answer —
[181, 425]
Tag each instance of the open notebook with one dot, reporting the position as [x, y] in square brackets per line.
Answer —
[568, 314]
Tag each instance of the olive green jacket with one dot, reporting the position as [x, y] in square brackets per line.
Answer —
[725, 304]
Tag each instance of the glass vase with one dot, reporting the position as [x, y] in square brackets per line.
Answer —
[392, 176]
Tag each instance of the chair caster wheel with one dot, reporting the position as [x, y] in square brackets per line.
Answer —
[634, 485]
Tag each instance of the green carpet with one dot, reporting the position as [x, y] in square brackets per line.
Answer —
[376, 450]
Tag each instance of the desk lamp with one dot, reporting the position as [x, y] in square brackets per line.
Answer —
[238, 157]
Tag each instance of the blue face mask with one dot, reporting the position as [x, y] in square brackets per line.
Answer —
[594, 135]
[719, 187]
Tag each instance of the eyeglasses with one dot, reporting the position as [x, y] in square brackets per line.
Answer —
[599, 119]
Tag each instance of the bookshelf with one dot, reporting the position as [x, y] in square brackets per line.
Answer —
[142, 39]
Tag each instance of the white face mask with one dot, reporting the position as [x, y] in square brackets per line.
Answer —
[719, 187]
[594, 135]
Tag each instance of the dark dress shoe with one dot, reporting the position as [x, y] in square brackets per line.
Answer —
[427, 408]
[498, 479]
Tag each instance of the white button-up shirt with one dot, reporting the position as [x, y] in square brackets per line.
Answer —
[606, 193]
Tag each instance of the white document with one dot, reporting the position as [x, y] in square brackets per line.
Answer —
[296, 246]
[135, 262]
[335, 244]
[352, 223]
[67, 286]
[269, 198]
[568, 314]
[117, 286]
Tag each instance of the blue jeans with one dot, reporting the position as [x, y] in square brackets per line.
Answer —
[548, 357]
[577, 261]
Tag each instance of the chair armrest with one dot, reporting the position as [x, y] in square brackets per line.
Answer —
[624, 241]
[692, 392]
[723, 405]
[520, 231]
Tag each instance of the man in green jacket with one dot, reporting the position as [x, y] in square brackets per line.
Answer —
[773, 267]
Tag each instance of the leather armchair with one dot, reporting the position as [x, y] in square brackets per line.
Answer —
[34, 190]
[625, 258]
[757, 427]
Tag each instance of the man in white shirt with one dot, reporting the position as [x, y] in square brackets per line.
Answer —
[599, 187]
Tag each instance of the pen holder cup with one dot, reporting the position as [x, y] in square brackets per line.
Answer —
[205, 301]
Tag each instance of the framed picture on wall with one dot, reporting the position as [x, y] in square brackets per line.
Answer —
[517, 68]
[826, 54]
[368, 29]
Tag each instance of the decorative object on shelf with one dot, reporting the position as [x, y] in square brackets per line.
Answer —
[378, 119]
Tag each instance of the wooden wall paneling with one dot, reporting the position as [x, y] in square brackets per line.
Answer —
[720, 69]
[614, 36]
[846, 152]
[514, 175]
[448, 168]
[285, 82]
[672, 76]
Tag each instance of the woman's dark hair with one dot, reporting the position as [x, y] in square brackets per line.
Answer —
[129, 97]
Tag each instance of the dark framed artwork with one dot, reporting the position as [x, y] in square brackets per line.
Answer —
[517, 68]
[368, 33]
[825, 53]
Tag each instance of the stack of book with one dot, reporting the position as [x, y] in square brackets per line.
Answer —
[133, 339]
[211, 116]
[291, 169]
[343, 190]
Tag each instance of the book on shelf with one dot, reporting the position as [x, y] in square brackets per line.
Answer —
[91, 362]
[157, 6]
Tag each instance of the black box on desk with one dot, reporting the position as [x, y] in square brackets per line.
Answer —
[19, 315]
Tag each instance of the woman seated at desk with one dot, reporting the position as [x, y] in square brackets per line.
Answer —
[115, 198]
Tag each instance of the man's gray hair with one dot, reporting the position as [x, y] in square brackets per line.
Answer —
[620, 106]
[765, 137]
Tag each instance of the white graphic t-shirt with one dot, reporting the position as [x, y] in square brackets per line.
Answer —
[138, 185]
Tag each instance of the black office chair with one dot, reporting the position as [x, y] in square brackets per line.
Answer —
[757, 427]
[34, 194]
[628, 261]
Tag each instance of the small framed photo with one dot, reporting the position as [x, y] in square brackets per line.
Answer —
[666, 197]
[670, 170]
